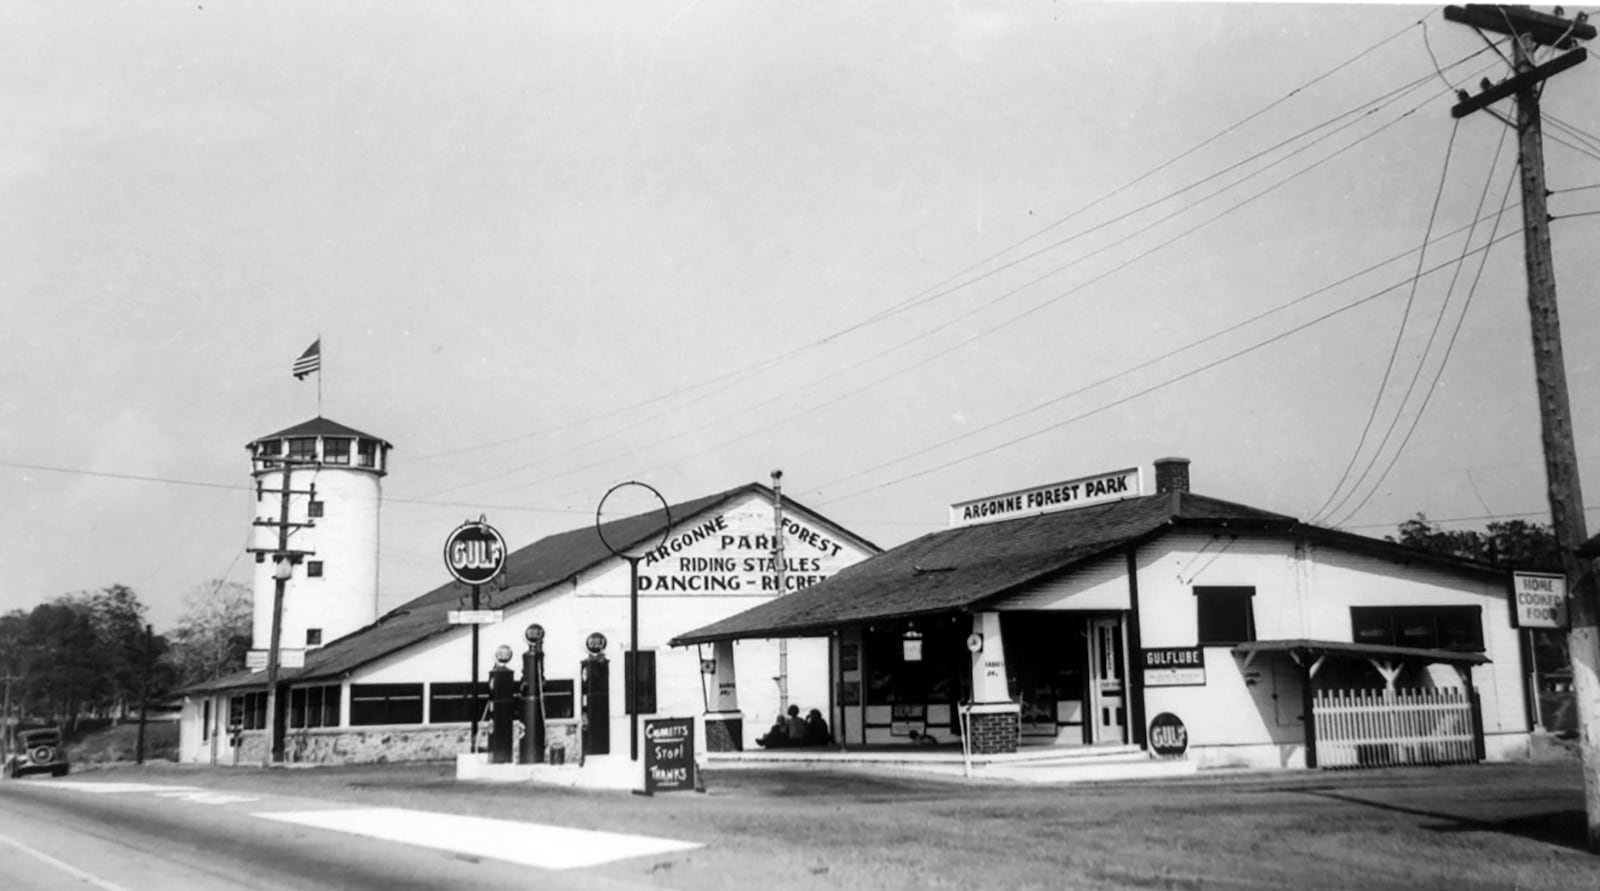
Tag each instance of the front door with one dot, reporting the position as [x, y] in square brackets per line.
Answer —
[1107, 720]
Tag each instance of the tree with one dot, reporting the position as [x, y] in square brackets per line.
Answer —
[117, 617]
[60, 667]
[213, 635]
[1512, 545]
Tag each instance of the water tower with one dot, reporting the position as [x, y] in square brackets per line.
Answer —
[335, 491]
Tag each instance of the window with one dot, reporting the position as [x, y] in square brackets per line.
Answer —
[557, 699]
[647, 682]
[1457, 628]
[336, 451]
[303, 447]
[1226, 615]
[314, 706]
[249, 711]
[267, 451]
[450, 703]
[314, 509]
[385, 704]
[313, 569]
[205, 722]
[313, 637]
[367, 453]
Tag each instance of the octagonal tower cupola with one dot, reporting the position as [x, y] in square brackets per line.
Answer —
[332, 479]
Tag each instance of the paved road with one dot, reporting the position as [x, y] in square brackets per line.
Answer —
[132, 836]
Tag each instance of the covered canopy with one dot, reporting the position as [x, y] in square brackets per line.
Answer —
[1302, 649]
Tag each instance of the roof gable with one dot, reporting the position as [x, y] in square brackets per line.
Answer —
[965, 567]
[320, 426]
[530, 570]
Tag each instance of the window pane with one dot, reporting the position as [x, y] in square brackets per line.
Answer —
[1226, 615]
[557, 699]
[336, 451]
[367, 453]
[303, 447]
[449, 702]
[385, 704]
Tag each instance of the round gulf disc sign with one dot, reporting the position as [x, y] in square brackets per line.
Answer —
[475, 553]
[1168, 737]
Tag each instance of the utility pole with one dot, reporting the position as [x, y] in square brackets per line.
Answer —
[283, 560]
[778, 569]
[1529, 30]
[144, 690]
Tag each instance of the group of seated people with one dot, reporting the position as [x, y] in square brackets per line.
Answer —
[794, 731]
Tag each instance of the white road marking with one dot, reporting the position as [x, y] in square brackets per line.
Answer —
[533, 844]
[182, 793]
[110, 788]
[65, 867]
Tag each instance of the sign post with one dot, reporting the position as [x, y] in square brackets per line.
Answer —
[627, 552]
[474, 553]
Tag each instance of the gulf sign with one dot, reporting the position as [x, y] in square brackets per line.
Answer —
[1538, 600]
[1081, 492]
[475, 553]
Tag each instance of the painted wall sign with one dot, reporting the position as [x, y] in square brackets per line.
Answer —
[732, 553]
[475, 553]
[669, 755]
[1538, 600]
[1168, 737]
[1174, 667]
[1081, 492]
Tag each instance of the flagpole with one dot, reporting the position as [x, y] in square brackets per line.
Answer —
[320, 372]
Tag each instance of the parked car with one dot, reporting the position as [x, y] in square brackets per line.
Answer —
[37, 751]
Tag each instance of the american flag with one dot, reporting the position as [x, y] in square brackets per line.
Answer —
[310, 361]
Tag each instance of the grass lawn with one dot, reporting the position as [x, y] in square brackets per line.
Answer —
[1489, 826]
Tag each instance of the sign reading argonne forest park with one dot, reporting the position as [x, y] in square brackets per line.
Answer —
[1538, 600]
[1081, 492]
[732, 552]
[475, 553]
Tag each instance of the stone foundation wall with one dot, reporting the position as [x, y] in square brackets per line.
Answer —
[397, 743]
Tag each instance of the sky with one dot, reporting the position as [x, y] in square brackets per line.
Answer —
[909, 253]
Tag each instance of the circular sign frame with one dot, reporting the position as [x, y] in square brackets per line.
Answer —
[475, 565]
[599, 525]
[1168, 737]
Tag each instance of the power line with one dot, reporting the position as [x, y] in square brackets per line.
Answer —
[1013, 319]
[1394, 351]
[1215, 335]
[1150, 389]
[1445, 361]
[739, 375]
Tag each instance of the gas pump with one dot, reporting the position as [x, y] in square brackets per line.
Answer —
[502, 701]
[595, 675]
[533, 696]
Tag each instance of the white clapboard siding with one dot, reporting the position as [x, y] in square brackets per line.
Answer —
[1374, 728]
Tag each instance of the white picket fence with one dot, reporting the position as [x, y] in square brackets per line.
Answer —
[1374, 728]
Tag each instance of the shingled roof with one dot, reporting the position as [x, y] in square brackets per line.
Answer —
[320, 426]
[963, 568]
[529, 571]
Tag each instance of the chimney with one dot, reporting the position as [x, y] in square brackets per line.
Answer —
[1172, 475]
